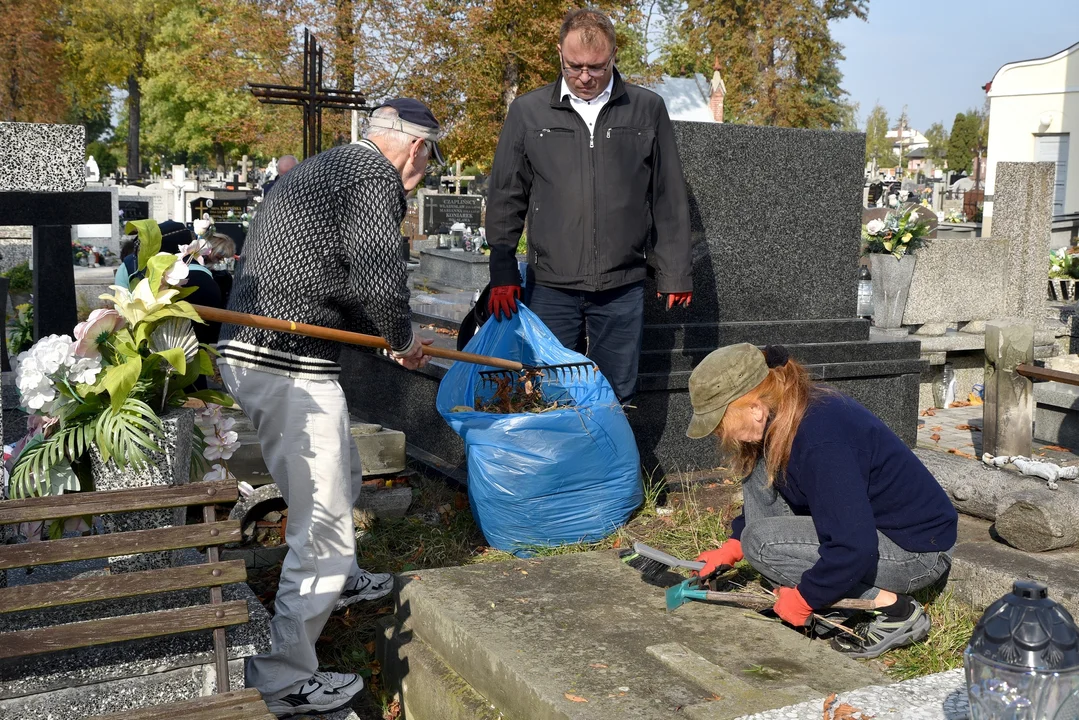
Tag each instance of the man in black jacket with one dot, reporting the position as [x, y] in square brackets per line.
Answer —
[590, 162]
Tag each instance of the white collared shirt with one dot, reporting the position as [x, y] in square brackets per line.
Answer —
[588, 109]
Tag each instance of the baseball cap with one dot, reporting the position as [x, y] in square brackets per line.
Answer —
[413, 118]
[721, 378]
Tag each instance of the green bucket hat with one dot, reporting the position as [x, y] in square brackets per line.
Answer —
[721, 378]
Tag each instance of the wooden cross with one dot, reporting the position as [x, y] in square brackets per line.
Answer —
[311, 96]
[457, 177]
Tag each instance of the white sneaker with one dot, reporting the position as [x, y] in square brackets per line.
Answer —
[365, 586]
[324, 692]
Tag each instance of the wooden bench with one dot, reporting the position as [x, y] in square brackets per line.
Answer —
[214, 616]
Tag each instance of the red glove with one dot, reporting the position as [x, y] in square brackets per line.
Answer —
[503, 301]
[792, 607]
[677, 299]
[728, 553]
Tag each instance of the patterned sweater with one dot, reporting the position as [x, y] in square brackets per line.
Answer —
[323, 249]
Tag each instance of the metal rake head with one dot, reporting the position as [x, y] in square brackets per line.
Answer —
[565, 372]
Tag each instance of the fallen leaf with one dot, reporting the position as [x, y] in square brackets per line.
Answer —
[597, 665]
[1057, 448]
[376, 667]
[959, 404]
[574, 698]
[828, 703]
[935, 438]
[524, 572]
[369, 647]
[847, 712]
[393, 711]
[968, 427]
[384, 610]
[937, 428]
[960, 453]
[928, 412]
[617, 543]
[715, 697]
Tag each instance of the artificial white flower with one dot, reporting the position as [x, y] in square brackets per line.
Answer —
[177, 272]
[201, 226]
[208, 417]
[221, 446]
[873, 227]
[85, 370]
[136, 305]
[218, 472]
[893, 201]
[54, 352]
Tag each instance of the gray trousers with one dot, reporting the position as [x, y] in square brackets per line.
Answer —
[781, 546]
[303, 428]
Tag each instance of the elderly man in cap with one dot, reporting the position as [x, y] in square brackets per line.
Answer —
[324, 249]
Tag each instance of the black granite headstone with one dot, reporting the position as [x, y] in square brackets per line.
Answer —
[133, 210]
[51, 214]
[218, 208]
[446, 210]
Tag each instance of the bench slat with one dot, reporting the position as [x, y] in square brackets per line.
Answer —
[52, 507]
[244, 700]
[127, 543]
[120, 629]
[120, 585]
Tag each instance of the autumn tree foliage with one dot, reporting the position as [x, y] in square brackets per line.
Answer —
[32, 63]
[777, 57]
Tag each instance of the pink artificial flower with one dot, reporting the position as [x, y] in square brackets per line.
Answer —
[96, 330]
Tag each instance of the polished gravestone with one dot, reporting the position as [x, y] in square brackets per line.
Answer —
[776, 218]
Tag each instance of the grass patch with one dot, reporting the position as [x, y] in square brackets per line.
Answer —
[953, 624]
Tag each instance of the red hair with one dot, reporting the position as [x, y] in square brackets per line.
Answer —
[785, 392]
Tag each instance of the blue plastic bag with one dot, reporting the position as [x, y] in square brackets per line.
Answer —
[540, 479]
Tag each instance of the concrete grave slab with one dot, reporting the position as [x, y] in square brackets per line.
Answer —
[581, 636]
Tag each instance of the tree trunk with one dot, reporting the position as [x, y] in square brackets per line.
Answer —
[219, 156]
[510, 78]
[344, 57]
[134, 111]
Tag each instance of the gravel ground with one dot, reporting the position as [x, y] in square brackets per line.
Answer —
[934, 697]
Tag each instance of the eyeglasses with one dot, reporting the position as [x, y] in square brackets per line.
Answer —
[576, 72]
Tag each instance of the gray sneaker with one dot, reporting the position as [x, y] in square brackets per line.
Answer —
[884, 633]
[365, 586]
[323, 693]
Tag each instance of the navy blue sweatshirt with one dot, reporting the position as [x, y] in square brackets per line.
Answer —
[854, 476]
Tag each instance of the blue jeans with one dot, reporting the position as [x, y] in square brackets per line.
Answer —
[607, 326]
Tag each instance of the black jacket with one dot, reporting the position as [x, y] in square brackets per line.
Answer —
[599, 209]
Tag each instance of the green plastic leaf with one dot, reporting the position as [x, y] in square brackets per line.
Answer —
[176, 358]
[120, 379]
[149, 239]
[156, 267]
[206, 365]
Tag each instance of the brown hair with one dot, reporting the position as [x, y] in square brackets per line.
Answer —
[785, 392]
[222, 247]
[590, 23]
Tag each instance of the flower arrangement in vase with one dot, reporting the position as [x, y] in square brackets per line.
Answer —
[900, 232]
[125, 367]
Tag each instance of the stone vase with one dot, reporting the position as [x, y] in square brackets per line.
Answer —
[171, 466]
[891, 283]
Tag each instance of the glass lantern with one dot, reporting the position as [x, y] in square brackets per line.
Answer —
[1022, 662]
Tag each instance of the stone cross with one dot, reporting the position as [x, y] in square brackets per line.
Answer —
[1008, 412]
[42, 186]
[457, 177]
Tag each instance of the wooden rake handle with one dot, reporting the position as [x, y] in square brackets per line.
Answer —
[343, 336]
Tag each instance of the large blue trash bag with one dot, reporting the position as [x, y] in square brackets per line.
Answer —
[541, 479]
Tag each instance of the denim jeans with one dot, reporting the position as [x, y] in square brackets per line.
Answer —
[607, 326]
[781, 546]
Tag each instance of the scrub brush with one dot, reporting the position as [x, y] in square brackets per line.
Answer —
[655, 565]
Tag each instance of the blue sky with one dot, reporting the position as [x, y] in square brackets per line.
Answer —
[934, 55]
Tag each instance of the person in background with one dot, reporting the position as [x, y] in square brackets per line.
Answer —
[340, 213]
[221, 262]
[286, 163]
[590, 162]
[835, 504]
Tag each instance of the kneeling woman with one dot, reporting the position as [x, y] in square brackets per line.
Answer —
[835, 504]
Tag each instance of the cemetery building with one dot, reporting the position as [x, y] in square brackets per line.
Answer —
[1033, 111]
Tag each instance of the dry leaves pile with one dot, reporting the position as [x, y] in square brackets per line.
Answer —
[842, 711]
[522, 393]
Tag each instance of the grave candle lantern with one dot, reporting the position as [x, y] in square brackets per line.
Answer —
[1022, 662]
